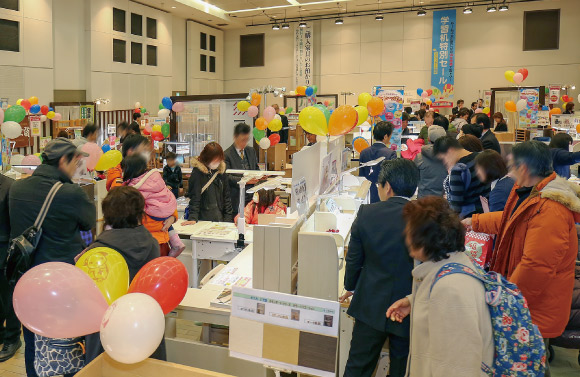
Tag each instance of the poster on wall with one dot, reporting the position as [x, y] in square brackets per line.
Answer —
[529, 115]
[554, 94]
[35, 126]
[303, 55]
[415, 105]
[443, 53]
[86, 112]
[393, 99]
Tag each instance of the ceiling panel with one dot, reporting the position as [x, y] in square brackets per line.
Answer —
[233, 5]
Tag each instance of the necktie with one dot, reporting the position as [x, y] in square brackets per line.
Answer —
[242, 154]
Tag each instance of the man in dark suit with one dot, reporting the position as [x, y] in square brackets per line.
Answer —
[459, 106]
[240, 156]
[382, 134]
[284, 131]
[488, 138]
[378, 273]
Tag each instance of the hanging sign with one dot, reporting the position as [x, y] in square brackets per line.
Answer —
[393, 99]
[443, 52]
[554, 94]
[529, 115]
[35, 126]
[304, 55]
[300, 195]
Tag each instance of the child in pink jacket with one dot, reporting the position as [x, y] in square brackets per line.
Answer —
[160, 203]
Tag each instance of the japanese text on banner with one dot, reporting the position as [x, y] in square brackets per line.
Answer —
[303, 55]
[443, 53]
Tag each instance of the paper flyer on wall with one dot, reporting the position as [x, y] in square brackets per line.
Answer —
[529, 116]
[393, 99]
[35, 126]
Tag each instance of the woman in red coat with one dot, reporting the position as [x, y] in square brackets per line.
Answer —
[264, 202]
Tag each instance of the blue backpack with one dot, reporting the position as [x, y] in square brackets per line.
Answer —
[519, 346]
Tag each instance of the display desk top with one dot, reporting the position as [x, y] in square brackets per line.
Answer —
[212, 231]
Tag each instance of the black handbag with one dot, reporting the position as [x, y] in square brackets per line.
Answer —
[21, 249]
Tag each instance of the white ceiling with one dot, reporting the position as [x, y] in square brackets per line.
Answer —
[239, 13]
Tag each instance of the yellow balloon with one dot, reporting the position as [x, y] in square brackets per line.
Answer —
[156, 127]
[50, 114]
[509, 76]
[275, 125]
[363, 114]
[486, 110]
[19, 100]
[312, 120]
[33, 100]
[363, 99]
[109, 160]
[564, 106]
[243, 105]
[108, 269]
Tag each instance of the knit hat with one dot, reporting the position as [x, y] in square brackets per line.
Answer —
[435, 132]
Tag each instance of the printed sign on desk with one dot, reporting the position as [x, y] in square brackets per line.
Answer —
[35, 126]
[443, 52]
[299, 193]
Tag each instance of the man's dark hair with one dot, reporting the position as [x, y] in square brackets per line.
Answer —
[535, 155]
[433, 226]
[135, 128]
[406, 116]
[413, 119]
[561, 141]
[408, 110]
[54, 162]
[569, 107]
[132, 142]
[136, 116]
[123, 126]
[382, 129]
[492, 164]
[242, 129]
[483, 120]
[62, 133]
[471, 143]
[89, 129]
[170, 156]
[463, 112]
[444, 144]
[472, 129]
[421, 113]
[133, 167]
[460, 101]
[123, 207]
[473, 104]
[441, 121]
[402, 175]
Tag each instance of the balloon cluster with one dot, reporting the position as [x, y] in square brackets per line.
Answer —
[11, 117]
[516, 77]
[318, 120]
[139, 109]
[308, 91]
[512, 106]
[567, 99]
[59, 300]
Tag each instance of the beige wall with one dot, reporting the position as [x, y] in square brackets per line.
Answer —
[364, 52]
[199, 82]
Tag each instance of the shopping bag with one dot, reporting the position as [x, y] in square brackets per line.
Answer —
[479, 247]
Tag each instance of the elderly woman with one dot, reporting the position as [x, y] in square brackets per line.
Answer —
[451, 333]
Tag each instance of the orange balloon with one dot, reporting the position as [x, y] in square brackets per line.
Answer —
[256, 99]
[342, 120]
[510, 106]
[33, 100]
[578, 128]
[555, 110]
[360, 143]
[375, 106]
[261, 123]
[301, 90]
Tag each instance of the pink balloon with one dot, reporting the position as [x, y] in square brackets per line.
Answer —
[58, 300]
[94, 152]
[424, 95]
[57, 117]
[1, 116]
[518, 78]
[252, 111]
[31, 160]
[269, 113]
[178, 107]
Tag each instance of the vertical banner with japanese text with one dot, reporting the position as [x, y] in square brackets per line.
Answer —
[443, 53]
[303, 55]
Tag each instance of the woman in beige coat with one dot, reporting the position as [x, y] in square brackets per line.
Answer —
[451, 332]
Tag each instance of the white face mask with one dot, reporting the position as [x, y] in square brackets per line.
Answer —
[256, 198]
[146, 155]
[214, 165]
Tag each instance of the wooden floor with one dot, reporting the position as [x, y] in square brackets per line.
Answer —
[565, 363]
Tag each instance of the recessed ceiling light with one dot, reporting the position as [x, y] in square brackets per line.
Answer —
[339, 21]
[467, 10]
[275, 27]
[302, 24]
[285, 26]
[379, 17]
[421, 12]
[491, 8]
[173, 7]
[504, 7]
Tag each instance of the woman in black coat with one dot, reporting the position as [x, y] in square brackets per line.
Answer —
[209, 193]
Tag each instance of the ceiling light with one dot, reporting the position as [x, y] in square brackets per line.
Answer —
[173, 7]
[302, 24]
[379, 17]
[275, 27]
[491, 8]
[285, 26]
[339, 21]
[573, 87]
[467, 10]
[421, 12]
[504, 7]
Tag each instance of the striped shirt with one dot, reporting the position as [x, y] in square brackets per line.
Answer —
[465, 188]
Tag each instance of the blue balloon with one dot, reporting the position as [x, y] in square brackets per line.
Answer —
[106, 148]
[166, 102]
[545, 108]
[419, 91]
[35, 109]
[309, 91]
[50, 109]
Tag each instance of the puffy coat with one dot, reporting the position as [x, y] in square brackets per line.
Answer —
[214, 204]
[537, 248]
[432, 172]
[159, 201]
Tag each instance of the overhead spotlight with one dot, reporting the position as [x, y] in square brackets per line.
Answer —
[379, 17]
[285, 26]
[467, 10]
[573, 87]
[504, 7]
[275, 27]
[491, 8]
[339, 21]
[302, 24]
[421, 12]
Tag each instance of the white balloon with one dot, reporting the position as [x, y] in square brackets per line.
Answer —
[43, 118]
[521, 105]
[11, 129]
[163, 113]
[16, 159]
[137, 105]
[277, 116]
[132, 328]
[265, 143]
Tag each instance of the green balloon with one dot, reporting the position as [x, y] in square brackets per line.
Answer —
[289, 109]
[143, 110]
[14, 113]
[325, 111]
[258, 134]
[161, 107]
[315, 88]
[165, 130]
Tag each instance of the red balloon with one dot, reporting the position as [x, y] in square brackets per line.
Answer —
[274, 139]
[26, 104]
[157, 136]
[429, 91]
[137, 111]
[146, 133]
[44, 109]
[165, 279]
[524, 72]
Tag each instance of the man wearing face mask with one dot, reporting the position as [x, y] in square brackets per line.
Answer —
[132, 144]
[240, 156]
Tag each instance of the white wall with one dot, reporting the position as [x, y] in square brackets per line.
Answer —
[70, 53]
[199, 82]
[364, 52]
[179, 53]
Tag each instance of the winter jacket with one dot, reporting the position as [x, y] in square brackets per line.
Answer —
[114, 177]
[465, 188]
[173, 178]
[432, 172]
[458, 123]
[5, 184]
[489, 141]
[451, 333]
[136, 245]
[214, 204]
[562, 159]
[371, 173]
[70, 212]
[536, 248]
[159, 201]
[251, 211]
[498, 196]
